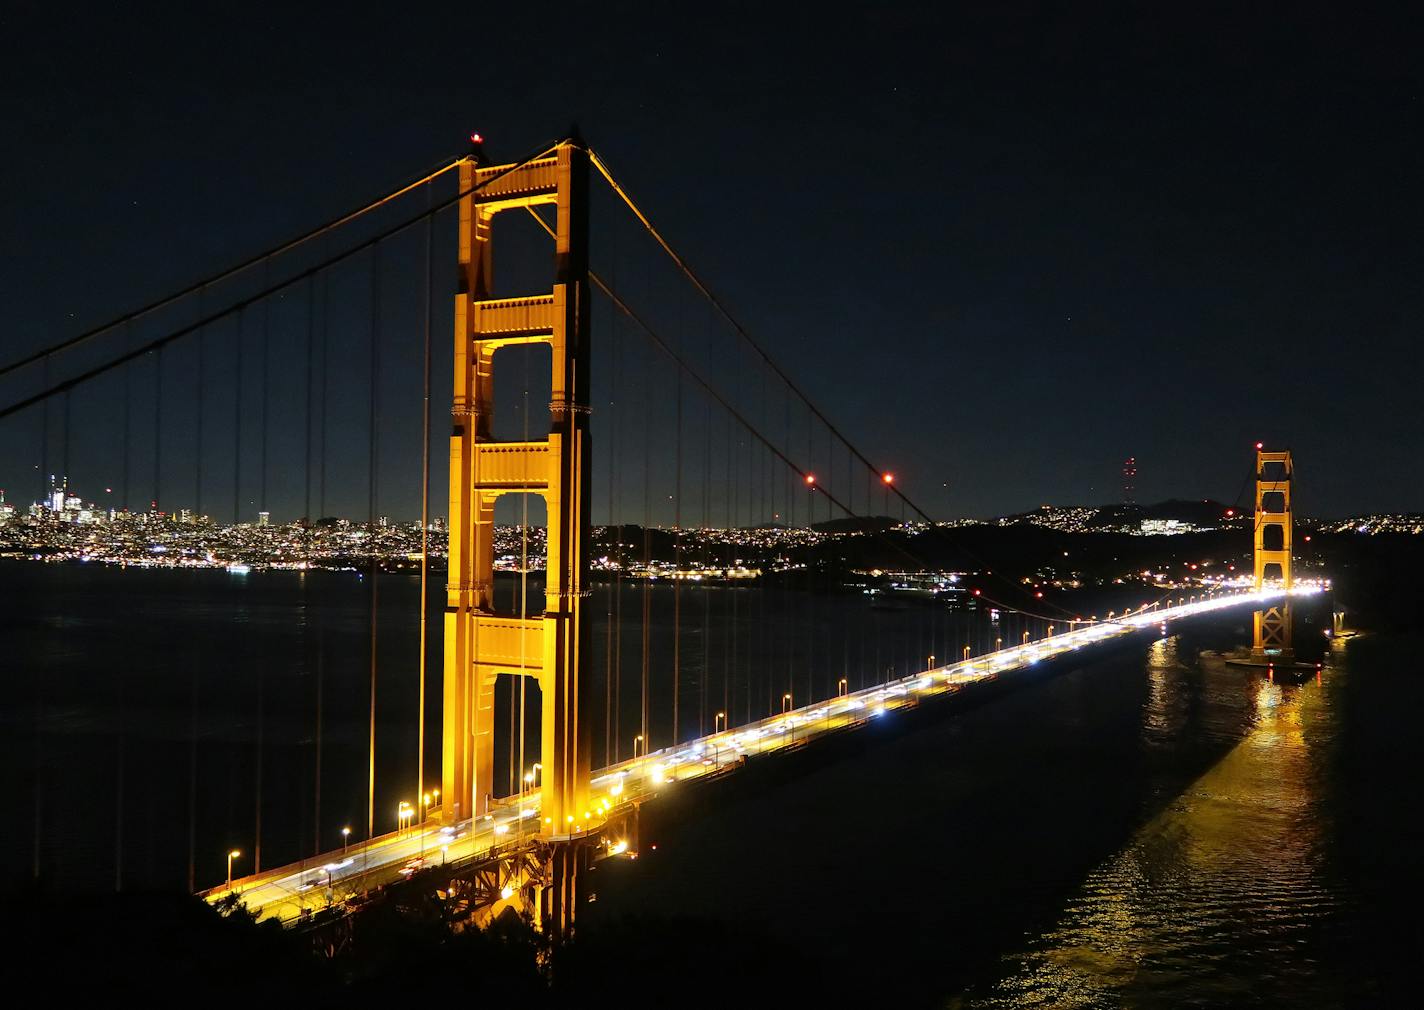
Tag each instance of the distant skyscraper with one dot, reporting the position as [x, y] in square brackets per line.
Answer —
[1129, 481]
[263, 518]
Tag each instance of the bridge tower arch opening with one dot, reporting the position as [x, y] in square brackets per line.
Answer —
[1273, 544]
[480, 644]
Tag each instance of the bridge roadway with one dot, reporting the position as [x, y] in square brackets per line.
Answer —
[287, 891]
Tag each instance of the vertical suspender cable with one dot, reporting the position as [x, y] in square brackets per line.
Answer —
[373, 566]
[262, 507]
[729, 642]
[237, 417]
[321, 631]
[157, 424]
[306, 547]
[266, 386]
[677, 564]
[622, 558]
[811, 571]
[45, 489]
[198, 422]
[524, 582]
[610, 670]
[647, 545]
[706, 587]
[424, 511]
[128, 396]
[193, 672]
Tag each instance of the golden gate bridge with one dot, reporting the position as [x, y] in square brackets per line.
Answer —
[275, 381]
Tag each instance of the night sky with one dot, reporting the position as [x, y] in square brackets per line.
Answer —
[1004, 249]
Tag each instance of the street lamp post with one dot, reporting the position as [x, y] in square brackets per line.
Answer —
[719, 723]
[637, 740]
[345, 838]
[232, 854]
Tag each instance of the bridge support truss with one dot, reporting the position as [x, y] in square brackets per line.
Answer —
[1273, 552]
[481, 644]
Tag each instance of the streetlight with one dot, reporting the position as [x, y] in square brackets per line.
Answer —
[931, 664]
[232, 854]
[529, 777]
[1025, 638]
[843, 688]
[998, 644]
[720, 717]
[637, 740]
[404, 814]
[785, 703]
[966, 653]
[345, 837]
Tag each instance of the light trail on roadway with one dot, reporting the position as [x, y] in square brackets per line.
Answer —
[289, 892]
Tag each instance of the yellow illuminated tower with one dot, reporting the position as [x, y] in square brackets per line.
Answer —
[1273, 551]
[482, 644]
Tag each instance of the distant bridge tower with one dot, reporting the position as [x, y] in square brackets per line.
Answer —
[481, 644]
[1129, 481]
[1273, 551]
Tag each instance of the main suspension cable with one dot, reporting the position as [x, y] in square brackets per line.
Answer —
[706, 292]
[267, 291]
[232, 271]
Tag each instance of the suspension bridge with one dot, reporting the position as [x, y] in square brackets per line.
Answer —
[621, 449]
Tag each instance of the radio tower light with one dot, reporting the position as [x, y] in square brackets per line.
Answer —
[1129, 481]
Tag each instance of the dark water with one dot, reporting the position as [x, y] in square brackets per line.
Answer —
[139, 705]
[1152, 831]
[1146, 830]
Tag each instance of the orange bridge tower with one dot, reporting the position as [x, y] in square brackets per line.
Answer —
[1274, 474]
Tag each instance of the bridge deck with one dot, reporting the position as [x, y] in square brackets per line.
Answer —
[287, 891]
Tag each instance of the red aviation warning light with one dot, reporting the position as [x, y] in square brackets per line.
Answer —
[888, 478]
[810, 480]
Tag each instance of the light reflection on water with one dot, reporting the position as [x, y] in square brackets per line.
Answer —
[1216, 899]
